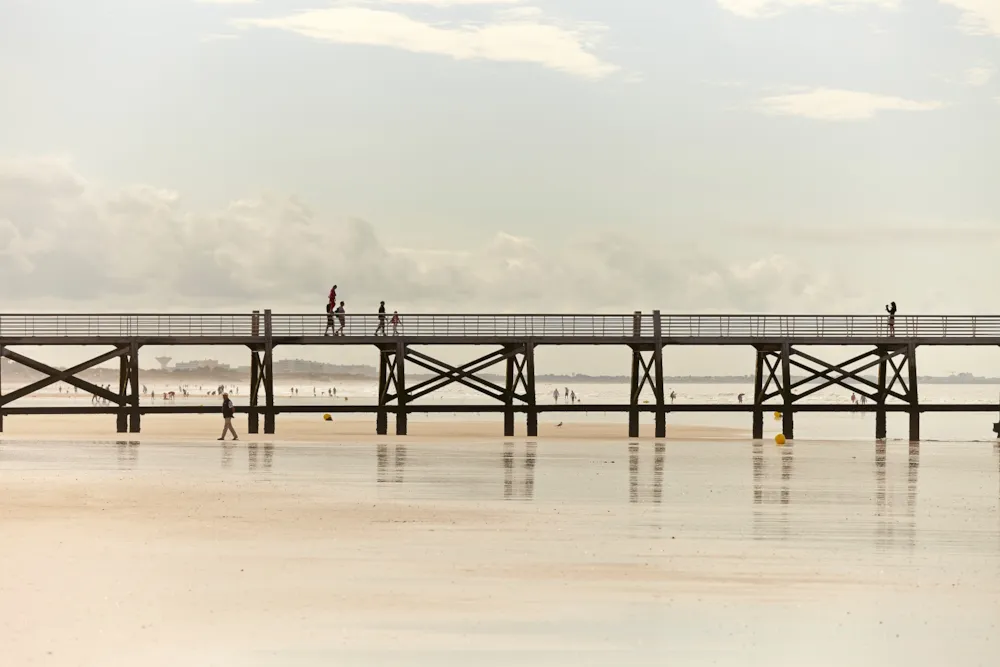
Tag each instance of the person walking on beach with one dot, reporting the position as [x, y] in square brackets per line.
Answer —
[381, 319]
[227, 417]
[555, 394]
[891, 309]
[395, 322]
[341, 318]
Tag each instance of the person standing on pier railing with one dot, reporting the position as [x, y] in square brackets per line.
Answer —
[381, 319]
[891, 309]
[227, 416]
[332, 300]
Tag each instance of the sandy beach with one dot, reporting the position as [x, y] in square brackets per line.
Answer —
[136, 552]
[312, 428]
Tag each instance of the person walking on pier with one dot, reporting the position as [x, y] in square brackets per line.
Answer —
[330, 326]
[891, 309]
[343, 320]
[381, 319]
[227, 417]
[395, 322]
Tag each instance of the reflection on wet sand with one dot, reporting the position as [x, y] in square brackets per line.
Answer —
[252, 456]
[128, 454]
[837, 546]
[526, 489]
[382, 464]
[654, 490]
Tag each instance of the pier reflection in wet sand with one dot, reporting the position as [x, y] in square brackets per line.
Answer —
[625, 553]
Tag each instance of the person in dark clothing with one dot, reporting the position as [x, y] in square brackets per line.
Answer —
[330, 326]
[227, 416]
[381, 319]
[343, 320]
[891, 309]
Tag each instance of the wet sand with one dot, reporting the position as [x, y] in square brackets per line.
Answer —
[128, 552]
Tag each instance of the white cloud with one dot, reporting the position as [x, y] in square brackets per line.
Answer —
[760, 8]
[839, 105]
[978, 76]
[525, 39]
[65, 240]
[981, 17]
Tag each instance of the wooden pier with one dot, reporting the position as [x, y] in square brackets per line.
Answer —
[784, 344]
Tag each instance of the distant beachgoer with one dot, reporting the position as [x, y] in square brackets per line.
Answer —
[227, 417]
[381, 319]
[572, 397]
[395, 322]
[673, 395]
[891, 309]
[854, 398]
[341, 318]
[555, 395]
[334, 392]
[740, 398]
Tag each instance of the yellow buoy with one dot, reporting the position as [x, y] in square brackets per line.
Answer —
[779, 439]
[327, 417]
[777, 416]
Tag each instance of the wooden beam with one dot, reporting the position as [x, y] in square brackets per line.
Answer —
[68, 376]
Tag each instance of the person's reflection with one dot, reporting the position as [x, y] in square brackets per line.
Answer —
[268, 455]
[633, 472]
[252, 456]
[128, 453]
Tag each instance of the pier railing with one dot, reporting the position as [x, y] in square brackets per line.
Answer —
[243, 325]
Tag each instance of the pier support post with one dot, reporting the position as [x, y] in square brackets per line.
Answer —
[531, 394]
[400, 388]
[123, 369]
[510, 386]
[758, 397]
[635, 387]
[880, 395]
[268, 374]
[384, 371]
[253, 419]
[787, 416]
[911, 363]
[661, 412]
[134, 414]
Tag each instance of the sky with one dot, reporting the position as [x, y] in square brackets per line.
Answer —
[695, 156]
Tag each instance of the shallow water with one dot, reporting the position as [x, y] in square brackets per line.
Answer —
[508, 553]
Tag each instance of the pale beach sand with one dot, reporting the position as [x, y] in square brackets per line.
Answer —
[312, 428]
[444, 551]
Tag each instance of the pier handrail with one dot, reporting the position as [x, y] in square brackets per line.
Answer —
[431, 325]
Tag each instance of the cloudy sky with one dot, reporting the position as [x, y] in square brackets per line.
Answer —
[515, 155]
